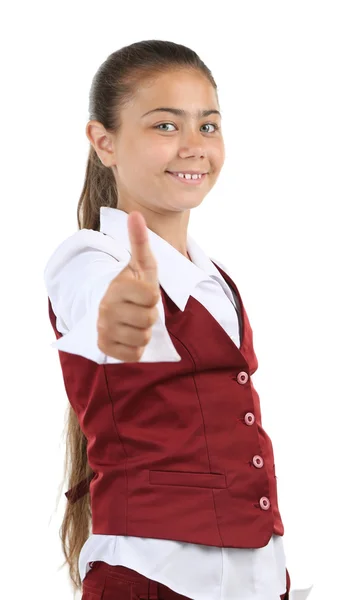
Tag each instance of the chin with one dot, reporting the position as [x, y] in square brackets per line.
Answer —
[190, 201]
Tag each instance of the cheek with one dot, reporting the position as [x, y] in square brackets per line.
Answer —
[219, 156]
[138, 159]
[158, 152]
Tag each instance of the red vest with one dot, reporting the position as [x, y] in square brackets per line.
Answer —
[177, 449]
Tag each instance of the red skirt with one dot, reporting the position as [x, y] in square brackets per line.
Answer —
[108, 582]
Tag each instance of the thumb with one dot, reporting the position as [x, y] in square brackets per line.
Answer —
[142, 261]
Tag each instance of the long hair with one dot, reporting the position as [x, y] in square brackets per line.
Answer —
[113, 86]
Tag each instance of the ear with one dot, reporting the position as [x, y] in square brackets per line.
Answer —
[102, 142]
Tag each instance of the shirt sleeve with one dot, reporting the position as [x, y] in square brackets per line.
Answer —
[76, 277]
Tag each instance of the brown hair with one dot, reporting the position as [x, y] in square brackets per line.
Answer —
[113, 86]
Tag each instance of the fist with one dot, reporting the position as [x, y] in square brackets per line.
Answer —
[128, 309]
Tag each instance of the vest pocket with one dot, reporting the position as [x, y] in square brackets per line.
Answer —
[187, 479]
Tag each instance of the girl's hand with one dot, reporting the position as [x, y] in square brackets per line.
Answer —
[128, 310]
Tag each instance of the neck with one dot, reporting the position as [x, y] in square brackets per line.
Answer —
[170, 226]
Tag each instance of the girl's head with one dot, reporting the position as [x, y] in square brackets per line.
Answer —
[131, 151]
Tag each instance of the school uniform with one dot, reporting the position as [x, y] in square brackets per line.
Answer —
[184, 485]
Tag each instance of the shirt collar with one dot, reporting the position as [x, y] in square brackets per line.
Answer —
[177, 274]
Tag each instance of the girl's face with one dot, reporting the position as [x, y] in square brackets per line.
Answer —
[150, 143]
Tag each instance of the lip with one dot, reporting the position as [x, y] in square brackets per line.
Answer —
[191, 171]
[184, 181]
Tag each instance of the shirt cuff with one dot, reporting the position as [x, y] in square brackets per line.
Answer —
[82, 340]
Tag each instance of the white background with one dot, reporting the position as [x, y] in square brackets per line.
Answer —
[275, 218]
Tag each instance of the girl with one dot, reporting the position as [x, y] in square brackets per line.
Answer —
[156, 353]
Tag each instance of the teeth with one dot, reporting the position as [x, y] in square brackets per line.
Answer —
[189, 176]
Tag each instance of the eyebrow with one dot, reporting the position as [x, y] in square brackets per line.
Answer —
[182, 113]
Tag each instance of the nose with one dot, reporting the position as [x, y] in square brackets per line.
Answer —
[192, 144]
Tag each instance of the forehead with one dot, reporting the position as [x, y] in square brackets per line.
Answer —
[183, 89]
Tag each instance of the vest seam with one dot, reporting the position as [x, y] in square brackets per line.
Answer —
[202, 414]
[110, 398]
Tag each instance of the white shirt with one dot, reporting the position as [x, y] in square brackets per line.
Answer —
[76, 277]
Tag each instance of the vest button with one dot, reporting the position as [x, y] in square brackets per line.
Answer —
[242, 377]
[258, 461]
[249, 418]
[264, 503]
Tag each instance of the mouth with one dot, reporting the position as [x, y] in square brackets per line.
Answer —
[191, 181]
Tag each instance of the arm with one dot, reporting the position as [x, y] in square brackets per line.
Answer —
[76, 277]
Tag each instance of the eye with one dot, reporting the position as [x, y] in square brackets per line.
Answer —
[161, 124]
[213, 124]
[216, 127]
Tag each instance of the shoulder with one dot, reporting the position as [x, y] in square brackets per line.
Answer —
[85, 241]
[220, 264]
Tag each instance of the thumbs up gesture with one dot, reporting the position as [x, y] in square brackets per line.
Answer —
[128, 310]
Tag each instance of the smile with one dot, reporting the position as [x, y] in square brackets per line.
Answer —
[190, 180]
